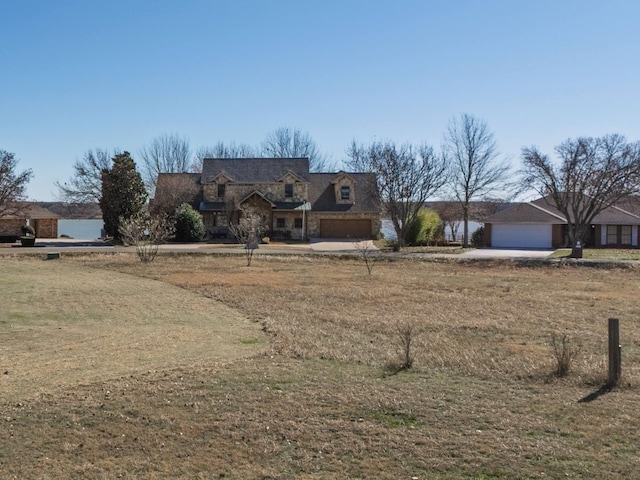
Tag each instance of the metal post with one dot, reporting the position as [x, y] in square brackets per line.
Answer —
[615, 352]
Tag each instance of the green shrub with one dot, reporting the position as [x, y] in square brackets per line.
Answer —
[189, 224]
[424, 228]
[477, 237]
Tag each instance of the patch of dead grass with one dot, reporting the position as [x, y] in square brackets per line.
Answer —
[480, 402]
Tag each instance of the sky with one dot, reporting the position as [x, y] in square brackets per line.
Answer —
[81, 75]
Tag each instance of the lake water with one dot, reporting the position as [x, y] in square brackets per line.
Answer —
[81, 229]
[390, 234]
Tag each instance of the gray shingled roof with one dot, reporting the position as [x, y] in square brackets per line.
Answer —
[30, 210]
[322, 195]
[523, 213]
[254, 170]
[543, 210]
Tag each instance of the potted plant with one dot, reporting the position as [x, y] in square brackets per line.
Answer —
[28, 238]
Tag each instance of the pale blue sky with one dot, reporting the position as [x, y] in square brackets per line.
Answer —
[77, 75]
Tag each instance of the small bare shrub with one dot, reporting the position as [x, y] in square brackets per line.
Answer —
[146, 233]
[564, 353]
[248, 230]
[406, 334]
[368, 252]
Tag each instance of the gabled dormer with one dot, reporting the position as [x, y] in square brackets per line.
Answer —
[289, 190]
[344, 188]
[220, 181]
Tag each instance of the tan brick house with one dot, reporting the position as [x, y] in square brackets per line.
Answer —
[294, 203]
[15, 216]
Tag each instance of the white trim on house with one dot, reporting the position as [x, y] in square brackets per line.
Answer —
[603, 234]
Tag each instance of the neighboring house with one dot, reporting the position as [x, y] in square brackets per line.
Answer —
[77, 220]
[44, 221]
[293, 202]
[539, 224]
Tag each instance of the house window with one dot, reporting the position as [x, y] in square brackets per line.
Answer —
[297, 223]
[280, 223]
[288, 190]
[345, 192]
[222, 187]
[612, 234]
[618, 234]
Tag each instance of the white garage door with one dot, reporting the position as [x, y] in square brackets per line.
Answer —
[521, 236]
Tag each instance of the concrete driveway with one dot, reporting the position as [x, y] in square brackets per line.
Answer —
[506, 253]
[340, 245]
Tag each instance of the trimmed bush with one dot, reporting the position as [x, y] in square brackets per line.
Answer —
[424, 229]
[189, 224]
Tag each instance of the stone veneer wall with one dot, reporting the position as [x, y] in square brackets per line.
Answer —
[272, 191]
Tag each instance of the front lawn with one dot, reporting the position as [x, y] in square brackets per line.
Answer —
[601, 253]
[114, 369]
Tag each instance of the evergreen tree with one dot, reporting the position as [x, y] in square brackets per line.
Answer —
[189, 224]
[123, 193]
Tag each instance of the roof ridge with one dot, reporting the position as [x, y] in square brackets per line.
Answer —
[548, 212]
[625, 211]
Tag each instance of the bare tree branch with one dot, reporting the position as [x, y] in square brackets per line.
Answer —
[222, 150]
[407, 177]
[167, 153]
[85, 186]
[13, 184]
[593, 174]
[285, 142]
[472, 153]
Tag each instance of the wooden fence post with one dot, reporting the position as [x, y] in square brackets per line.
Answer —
[615, 352]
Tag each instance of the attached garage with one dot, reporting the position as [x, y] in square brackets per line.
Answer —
[345, 228]
[521, 235]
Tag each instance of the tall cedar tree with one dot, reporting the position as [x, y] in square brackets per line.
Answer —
[123, 193]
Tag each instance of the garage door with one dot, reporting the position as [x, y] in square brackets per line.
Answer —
[334, 228]
[521, 236]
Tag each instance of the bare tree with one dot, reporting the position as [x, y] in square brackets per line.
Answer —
[13, 184]
[593, 174]
[407, 177]
[285, 142]
[146, 233]
[472, 153]
[368, 252]
[167, 153]
[222, 150]
[85, 186]
[450, 213]
[248, 230]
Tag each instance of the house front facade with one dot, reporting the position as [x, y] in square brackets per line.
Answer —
[538, 224]
[292, 202]
[44, 221]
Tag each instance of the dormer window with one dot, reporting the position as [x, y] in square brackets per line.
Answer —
[345, 192]
[222, 188]
[288, 190]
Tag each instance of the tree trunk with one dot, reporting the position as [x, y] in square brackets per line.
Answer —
[465, 234]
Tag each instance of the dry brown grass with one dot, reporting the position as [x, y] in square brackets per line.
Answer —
[480, 402]
[63, 324]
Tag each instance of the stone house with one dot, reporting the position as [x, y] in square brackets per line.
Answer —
[293, 203]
